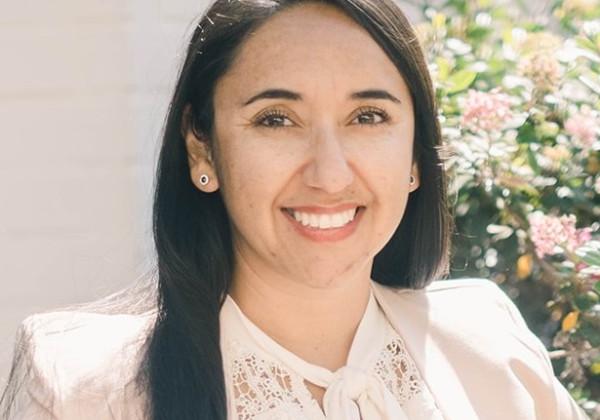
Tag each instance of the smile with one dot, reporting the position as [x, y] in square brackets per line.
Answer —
[322, 225]
[324, 221]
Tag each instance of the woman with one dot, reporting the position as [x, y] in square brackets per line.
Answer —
[299, 163]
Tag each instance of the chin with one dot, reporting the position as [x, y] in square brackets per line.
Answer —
[329, 273]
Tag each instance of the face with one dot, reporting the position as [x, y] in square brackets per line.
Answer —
[313, 140]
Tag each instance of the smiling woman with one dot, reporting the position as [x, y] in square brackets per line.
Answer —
[301, 230]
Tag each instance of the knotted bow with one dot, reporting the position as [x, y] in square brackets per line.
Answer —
[352, 394]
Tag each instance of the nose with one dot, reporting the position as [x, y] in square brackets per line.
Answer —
[328, 169]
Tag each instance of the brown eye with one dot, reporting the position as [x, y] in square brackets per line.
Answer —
[273, 119]
[371, 116]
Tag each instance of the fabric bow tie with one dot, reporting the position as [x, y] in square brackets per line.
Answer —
[352, 394]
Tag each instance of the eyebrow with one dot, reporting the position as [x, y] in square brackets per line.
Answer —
[294, 96]
[375, 94]
[275, 94]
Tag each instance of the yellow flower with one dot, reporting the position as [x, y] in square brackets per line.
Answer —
[593, 165]
[524, 266]
[554, 156]
[439, 21]
[558, 153]
[570, 321]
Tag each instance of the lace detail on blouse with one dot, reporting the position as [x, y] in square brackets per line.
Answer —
[262, 386]
[398, 372]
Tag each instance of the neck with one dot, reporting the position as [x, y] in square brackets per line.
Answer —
[317, 323]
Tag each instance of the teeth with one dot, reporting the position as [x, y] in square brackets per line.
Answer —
[305, 219]
[324, 221]
[314, 220]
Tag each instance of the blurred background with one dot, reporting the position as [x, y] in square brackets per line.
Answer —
[84, 88]
[83, 91]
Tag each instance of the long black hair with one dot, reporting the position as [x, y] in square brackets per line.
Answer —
[182, 370]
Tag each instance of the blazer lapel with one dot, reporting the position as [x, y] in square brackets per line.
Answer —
[409, 313]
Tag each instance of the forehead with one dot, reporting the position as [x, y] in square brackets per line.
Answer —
[311, 43]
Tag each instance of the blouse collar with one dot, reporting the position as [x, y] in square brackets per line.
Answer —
[352, 392]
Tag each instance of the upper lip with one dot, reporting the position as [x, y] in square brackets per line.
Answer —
[323, 209]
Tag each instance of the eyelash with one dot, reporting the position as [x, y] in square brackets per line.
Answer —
[385, 117]
[265, 116]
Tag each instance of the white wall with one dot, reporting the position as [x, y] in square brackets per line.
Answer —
[83, 91]
[84, 87]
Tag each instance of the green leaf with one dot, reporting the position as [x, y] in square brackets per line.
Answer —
[478, 33]
[443, 69]
[458, 5]
[526, 133]
[591, 333]
[582, 302]
[590, 253]
[585, 43]
[597, 286]
[460, 81]
[533, 161]
[566, 287]
[533, 27]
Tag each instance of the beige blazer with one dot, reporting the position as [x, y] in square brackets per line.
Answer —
[467, 338]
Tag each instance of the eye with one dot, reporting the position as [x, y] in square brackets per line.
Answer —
[370, 116]
[273, 119]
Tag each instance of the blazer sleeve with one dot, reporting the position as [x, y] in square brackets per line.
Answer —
[75, 366]
[566, 406]
[29, 394]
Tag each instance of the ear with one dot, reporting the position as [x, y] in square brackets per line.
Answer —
[199, 156]
[415, 172]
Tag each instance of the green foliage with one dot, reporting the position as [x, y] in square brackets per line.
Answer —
[519, 107]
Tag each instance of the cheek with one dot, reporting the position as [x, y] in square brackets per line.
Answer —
[252, 175]
[386, 168]
[386, 162]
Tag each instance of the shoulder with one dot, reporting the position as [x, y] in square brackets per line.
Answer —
[73, 360]
[73, 345]
[468, 312]
[468, 295]
[480, 329]
[447, 287]
[475, 323]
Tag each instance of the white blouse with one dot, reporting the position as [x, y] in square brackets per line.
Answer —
[264, 381]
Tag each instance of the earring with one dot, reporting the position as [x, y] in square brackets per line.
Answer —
[412, 180]
[204, 179]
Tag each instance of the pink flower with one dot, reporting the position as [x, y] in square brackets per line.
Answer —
[486, 110]
[583, 127]
[550, 233]
[543, 69]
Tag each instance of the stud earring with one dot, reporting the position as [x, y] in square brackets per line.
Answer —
[204, 179]
[412, 180]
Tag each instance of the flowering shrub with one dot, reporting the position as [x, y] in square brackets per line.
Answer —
[520, 113]
[554, 235]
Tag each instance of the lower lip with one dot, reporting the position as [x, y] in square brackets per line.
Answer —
[326, 235]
